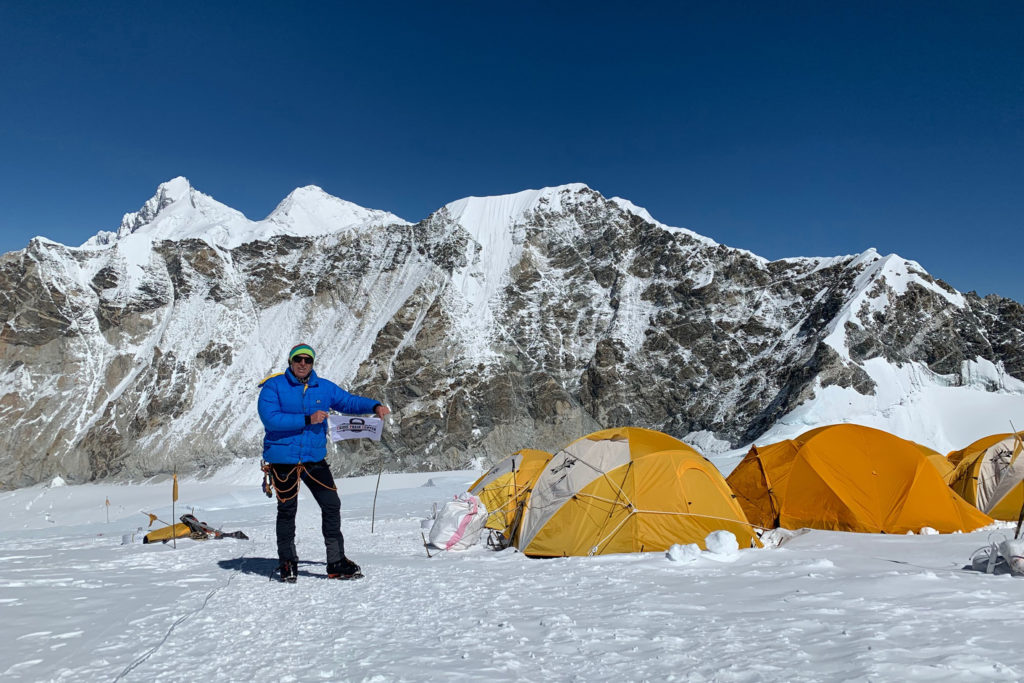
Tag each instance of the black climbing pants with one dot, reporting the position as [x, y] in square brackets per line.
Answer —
[318, 479]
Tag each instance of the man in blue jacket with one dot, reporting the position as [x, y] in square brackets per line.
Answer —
[293, 406]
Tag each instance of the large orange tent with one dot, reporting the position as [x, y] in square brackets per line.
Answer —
[989, 474]
[628, 490]
[849, 478]
[938, 461]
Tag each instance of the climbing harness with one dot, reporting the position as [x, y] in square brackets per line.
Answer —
[283, 486]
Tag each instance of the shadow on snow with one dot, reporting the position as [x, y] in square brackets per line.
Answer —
[267, 566]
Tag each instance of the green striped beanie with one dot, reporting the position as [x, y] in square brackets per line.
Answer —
[301, 350]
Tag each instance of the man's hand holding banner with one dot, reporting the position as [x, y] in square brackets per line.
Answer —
[341, 427]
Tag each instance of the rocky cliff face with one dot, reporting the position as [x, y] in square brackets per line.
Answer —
[493, 325]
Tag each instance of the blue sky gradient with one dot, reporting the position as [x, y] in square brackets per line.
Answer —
[789, 129]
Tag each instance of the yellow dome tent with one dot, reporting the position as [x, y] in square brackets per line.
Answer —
[848, 478]
[505, 489]
[628, 490]
[989, 474]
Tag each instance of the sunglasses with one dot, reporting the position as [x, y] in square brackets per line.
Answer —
[305, 360]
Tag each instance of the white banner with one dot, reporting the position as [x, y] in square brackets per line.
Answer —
[341, 427]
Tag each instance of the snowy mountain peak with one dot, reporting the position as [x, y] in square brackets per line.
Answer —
[483, 216]
[306, 193]
[881, 280]
[175, 212]
[173, 190]
[898, 274]
[174, 196]
[178, 212]
[499, 212]
[310, 210]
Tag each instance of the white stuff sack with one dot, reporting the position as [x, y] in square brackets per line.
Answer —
[459, 523]
[1013, 552]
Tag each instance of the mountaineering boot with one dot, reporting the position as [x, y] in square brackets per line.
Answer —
[344, 569]
[289, 572]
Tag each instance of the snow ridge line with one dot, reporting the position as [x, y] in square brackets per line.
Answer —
[182, 619]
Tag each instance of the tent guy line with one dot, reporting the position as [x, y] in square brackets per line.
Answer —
[182, 619]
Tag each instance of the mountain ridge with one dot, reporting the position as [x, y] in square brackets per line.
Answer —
[178, 211]
[492, 325]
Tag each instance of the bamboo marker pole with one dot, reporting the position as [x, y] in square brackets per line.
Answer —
[174, 516]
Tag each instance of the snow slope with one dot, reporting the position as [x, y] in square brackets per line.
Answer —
[824, 606]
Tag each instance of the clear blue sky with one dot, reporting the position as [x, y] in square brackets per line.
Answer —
[789, 129]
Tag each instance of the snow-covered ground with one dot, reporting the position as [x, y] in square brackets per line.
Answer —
[78, 604]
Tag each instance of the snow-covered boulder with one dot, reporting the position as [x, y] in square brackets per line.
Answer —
[684, 553]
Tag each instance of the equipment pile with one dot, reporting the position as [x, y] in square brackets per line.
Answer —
[1005, 557]
[190, 527]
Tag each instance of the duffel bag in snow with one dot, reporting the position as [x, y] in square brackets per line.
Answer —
[459, 523]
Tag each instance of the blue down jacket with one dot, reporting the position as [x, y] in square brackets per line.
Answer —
[283, 406]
